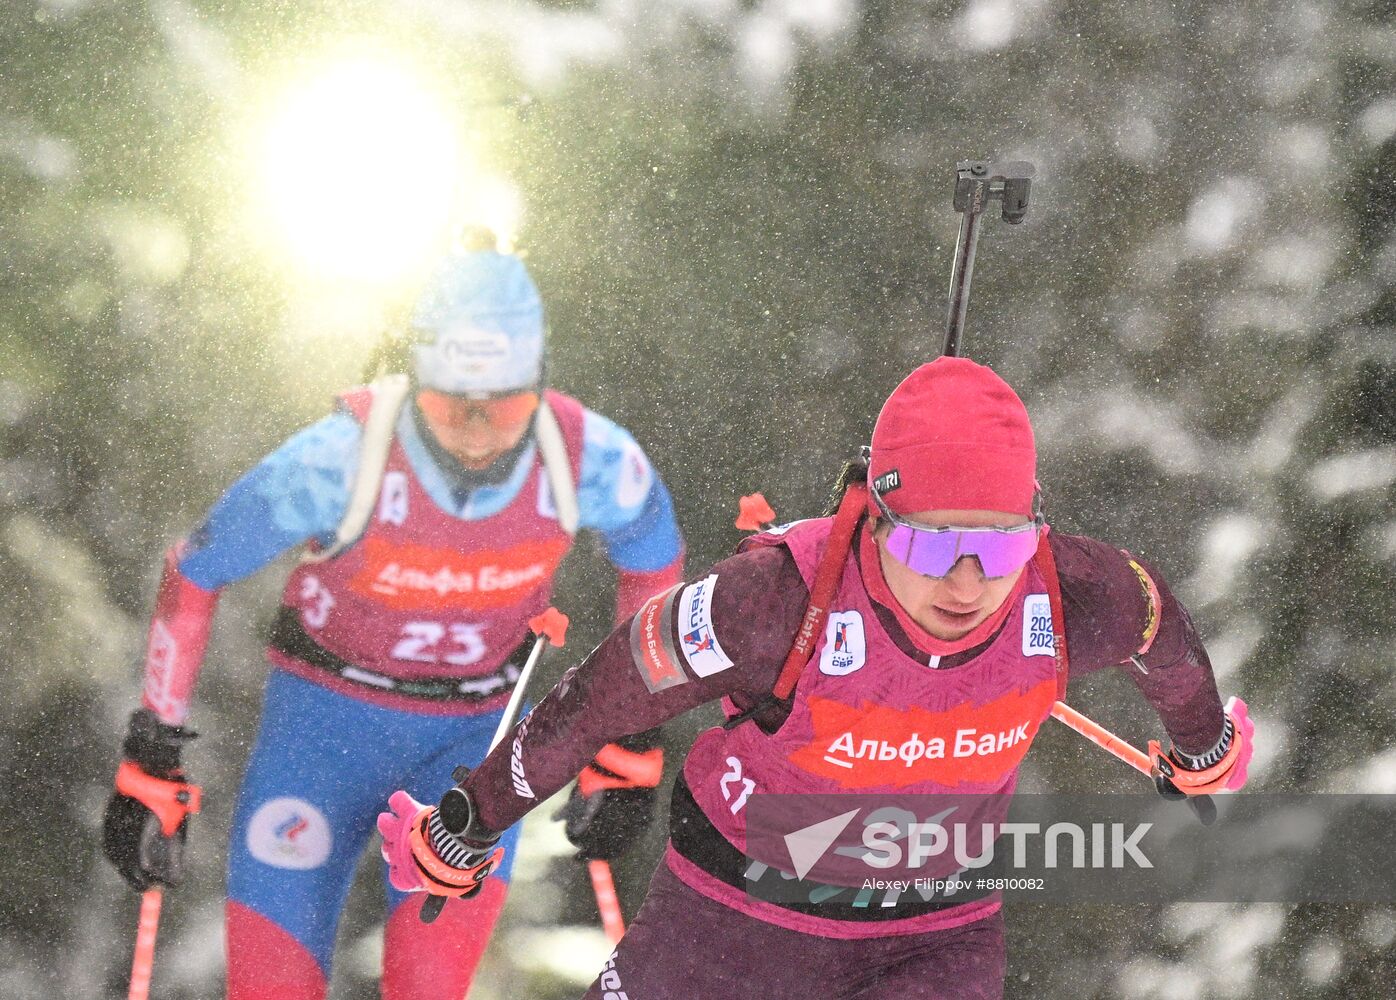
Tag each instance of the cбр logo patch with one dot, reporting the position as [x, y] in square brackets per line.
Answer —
[845, 645]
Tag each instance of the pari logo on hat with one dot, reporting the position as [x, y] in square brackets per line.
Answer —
[954, 436]
[888, 481]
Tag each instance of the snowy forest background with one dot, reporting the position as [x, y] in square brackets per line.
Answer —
[738, 213]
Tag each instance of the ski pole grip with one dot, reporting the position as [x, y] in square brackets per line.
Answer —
[431, 908]
[459, 819]
[456, 817]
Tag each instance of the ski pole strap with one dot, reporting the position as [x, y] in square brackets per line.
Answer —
[170, 799]
[1047, 566]
[826, 580]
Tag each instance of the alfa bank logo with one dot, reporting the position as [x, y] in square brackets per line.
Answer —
[860, 746]
[411, 577]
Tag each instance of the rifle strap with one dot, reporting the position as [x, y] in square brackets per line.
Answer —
[552, 447]
[826, 582]
[389, 394]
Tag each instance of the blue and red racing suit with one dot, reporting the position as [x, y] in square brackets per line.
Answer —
[392, 662]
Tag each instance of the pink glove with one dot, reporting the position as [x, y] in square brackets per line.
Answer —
[1245, 736]
[415, 865]
[1227, 774]
[396, 828]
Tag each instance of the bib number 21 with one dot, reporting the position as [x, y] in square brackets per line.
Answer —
[735, 788]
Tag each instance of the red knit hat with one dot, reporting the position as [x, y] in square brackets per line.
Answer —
[954, 436]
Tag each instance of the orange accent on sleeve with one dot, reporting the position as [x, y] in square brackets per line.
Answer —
[446, 880]
[1206, 782]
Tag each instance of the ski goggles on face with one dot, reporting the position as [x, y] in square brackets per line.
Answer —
[500, 412]
[935, 551]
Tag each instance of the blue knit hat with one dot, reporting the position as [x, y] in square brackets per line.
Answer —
[480, 326]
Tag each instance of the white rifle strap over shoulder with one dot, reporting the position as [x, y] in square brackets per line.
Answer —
[557, 468]
[389, 393]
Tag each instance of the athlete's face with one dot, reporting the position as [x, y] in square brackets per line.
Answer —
[952, 606]
[476, 432]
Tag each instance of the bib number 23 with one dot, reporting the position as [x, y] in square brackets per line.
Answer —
[455, 643]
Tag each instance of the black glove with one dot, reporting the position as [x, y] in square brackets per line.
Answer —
[612, 803]
[605, 824]
[147, 818]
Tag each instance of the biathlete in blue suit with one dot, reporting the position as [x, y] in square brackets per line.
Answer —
[434, 509]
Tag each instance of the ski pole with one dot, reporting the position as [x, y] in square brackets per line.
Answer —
[549, 627]
[977, 182]
[1202, 805]
[1102, 738]
[607, 903]
[143, 964]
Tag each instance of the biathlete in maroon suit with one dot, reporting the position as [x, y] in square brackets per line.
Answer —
[950, 620]
[433, 511]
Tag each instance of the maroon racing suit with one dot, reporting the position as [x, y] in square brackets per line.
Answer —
[726, 635]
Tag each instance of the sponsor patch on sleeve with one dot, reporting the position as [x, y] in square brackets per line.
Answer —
[697, 637]
[1038, 639]
[651, 645]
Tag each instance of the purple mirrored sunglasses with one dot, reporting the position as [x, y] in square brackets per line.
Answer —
[934, 551]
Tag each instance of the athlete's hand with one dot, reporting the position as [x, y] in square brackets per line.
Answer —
[146, 822]
[1225, 769]
[423, 857]
[612, 803]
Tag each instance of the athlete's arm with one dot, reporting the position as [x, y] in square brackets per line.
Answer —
[622, 498]
[1116, 605]
[298, 492]
[646, 673]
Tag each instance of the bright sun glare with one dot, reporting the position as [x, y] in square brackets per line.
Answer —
[360, 169]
